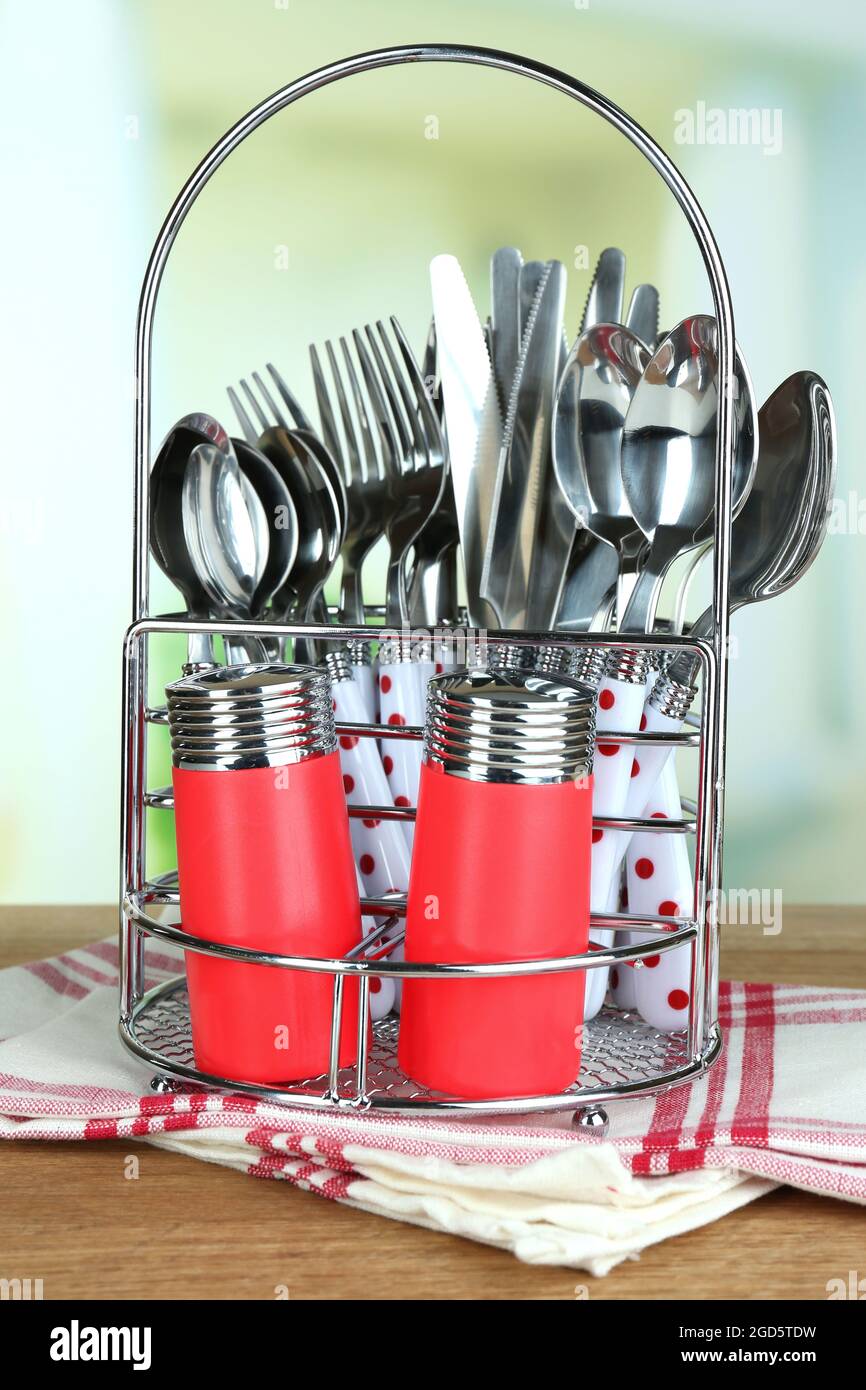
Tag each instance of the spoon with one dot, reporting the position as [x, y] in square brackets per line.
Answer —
[784, 521]
[305, 434]
[668, 454]
[227, 536]
[333, 514]
[279, 538]
[591, 575]
[318, 536]
[602, 374]
[169, 541]
[774, 540]
[301, 431]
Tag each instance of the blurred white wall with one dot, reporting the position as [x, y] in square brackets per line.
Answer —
[74, 229]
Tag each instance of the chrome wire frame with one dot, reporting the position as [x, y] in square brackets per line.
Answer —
[137, 894]
[141, 902]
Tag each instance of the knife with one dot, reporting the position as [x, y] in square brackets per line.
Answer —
[505, 265]
[555, 519]
[514, 569]
[529, 282]
[604, 301]
[643, 314]
[473, 420]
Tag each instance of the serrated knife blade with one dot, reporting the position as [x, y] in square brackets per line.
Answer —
[517, 577]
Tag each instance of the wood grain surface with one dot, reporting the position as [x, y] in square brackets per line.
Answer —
[189, 1230]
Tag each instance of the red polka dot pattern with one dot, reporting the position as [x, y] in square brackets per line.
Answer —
[669, 908]
[348, 740]
[678, 999]
[402, 801]
[348, 783]
[644, 868]
[388, 764]
[642, 722]
[596, 836]
[366, 863]
[396, 719]
[371, 824]
[606, 699]
[608, 750]
[635, 768]
[651, 962]
[659, 815]
[375, 984]
[385, 684]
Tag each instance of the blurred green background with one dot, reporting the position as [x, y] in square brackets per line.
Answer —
[327, 218]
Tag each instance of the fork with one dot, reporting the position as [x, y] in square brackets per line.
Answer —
[367, 487]
[316, 486]
[411, 447]
[368, 494]
[433, 577]
[387, 436]
[393, 438]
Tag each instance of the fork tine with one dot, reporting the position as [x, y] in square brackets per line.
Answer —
[360, 460]
[372, 458]
[270, 402]
[393, 455]
[427, 414]
[300, 418]
[393, 400]
[326, 414]
[409, 405]
[248, 429]
[253, 400]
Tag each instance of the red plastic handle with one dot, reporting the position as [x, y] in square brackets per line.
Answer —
[265, 860]
[499, 872]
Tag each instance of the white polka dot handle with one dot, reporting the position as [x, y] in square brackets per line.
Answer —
[620, 706]
[400, 702]
[597, 980]
[646, 769]
[381, 850]
[365, 679]
[660, 884]
[440, 660]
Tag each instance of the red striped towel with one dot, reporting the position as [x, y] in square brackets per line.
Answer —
[786, 1103]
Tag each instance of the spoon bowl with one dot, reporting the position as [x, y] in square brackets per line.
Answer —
[782, 526]
[277, 513]
[223, 520]
[669, 453]
[169, 540]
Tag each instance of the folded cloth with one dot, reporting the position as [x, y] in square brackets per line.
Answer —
[785, 1103]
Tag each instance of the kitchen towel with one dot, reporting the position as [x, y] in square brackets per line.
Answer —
[784, 1104]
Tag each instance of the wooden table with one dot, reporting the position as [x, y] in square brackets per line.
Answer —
[69, 1216]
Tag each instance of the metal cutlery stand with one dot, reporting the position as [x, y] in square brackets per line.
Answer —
[621, 1055]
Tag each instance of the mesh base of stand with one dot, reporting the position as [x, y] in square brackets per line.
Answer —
[619, 1049]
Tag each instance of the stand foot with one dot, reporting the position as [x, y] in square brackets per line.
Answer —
[591, 1117]
[164, 1085]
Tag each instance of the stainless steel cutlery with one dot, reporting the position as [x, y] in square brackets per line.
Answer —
[565, 484]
